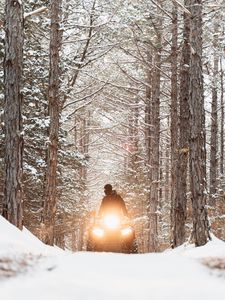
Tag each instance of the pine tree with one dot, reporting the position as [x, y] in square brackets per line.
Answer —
[180, 202]
[1, 107]
[155, 123]
[214, 120]
[197, 128]
[13, 66]
[50, 196]
[174, 115]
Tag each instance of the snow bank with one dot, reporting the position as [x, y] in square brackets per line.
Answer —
[172, 275]
[12, 241]
[214, 248]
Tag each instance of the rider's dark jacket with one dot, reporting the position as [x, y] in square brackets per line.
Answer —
[113, 203]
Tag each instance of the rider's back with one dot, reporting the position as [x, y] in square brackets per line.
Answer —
[113, 203]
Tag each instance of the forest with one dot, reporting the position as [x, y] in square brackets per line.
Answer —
[129, 93]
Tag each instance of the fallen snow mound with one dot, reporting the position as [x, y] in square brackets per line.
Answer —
[214, 248]
[62, 275]
[12, 241]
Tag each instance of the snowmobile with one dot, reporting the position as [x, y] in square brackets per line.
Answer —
[112, 233]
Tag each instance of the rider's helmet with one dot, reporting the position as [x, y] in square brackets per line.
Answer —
[108, 189]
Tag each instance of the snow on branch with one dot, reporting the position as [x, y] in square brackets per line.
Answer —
[35, 12]
[182, 7]
[162, 9]
[86, 97]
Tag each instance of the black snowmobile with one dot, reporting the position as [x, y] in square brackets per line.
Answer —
[112, 233]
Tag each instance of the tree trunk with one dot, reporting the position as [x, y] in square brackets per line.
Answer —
[222, 121]
[54, 114]
[148, 110]
[174, 117]
[167, 170]
[12, 203]
[214, 122]
[180, 203]
[148, 135]
[155, 122]
[197, 129]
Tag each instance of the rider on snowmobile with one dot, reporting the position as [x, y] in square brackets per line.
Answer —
[112, 230]
[112, 202]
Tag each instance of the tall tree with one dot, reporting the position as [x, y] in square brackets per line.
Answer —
[148, 130]
[222, 119]
[13, 66]
[174, 121]
[1, 108]
[154, 154]
[214, 119]
[180, 202]
[197, 129]
[54, 114]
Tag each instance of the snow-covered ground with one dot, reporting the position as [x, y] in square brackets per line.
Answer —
[36, 271]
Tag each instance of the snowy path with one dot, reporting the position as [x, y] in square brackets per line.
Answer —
[113, 276]
[62, 275]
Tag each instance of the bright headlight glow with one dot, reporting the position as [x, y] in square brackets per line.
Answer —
[98, 232]
[126, 231]
[112, 221]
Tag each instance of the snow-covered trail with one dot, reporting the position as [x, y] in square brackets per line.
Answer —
[59, 275]
[114, 276]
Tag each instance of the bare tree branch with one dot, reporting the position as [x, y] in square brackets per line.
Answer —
[35, 12]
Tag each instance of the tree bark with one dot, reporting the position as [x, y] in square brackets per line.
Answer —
[148, 135]
[148, 110]
[50, 197]
[222, 121]
[197, 129]
[13, 65]
[154, 154]
[214, 122]
[180, 202]
[174, 116]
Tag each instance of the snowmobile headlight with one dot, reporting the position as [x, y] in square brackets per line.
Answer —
[98, 232]
[126, 231]
[112, 221]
